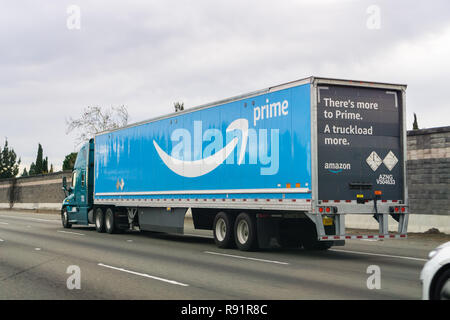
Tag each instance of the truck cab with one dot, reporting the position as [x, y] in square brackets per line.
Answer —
[79, 201]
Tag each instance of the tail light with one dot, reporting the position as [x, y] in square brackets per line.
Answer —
[397, 209]
[328, 209]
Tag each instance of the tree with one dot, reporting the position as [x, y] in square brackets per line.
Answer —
[32, 169]
[9, 165]
[415, 124]
[69, 161]
[45, 165]
[25, 173]
[95, 120]
[179, 106]
[40, 166]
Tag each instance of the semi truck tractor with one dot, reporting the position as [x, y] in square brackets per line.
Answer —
[283, 166]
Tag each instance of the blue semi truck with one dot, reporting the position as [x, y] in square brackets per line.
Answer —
[282, 166]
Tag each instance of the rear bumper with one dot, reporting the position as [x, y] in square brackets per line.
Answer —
[362, 237]
[352, 207]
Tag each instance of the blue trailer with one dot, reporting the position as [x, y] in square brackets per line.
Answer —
[281, 166]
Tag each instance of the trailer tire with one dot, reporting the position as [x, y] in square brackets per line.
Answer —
[99, 220]
[65, 219]
[110, 223]
[245, 233]
[223, 230]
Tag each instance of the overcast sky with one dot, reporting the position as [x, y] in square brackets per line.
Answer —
[148, 54]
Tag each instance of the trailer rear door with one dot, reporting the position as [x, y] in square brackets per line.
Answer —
[359, 142]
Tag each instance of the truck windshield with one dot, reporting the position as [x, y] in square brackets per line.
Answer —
[81, 161]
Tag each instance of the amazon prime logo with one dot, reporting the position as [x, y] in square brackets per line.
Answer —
[189, 158]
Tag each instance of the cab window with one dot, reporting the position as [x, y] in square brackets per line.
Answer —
[74, 179]
[83, 179]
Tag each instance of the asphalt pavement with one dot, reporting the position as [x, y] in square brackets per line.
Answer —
[41, 260]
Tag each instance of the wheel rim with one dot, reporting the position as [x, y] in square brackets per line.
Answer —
[65, 219]
[445, 291]
[242, 232]
[221, 229]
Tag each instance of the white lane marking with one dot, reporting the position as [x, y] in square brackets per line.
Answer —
[129, 240]
[246, 258]
[37, 249]
[144, 275]
[32, 219]
[1, 240]
[379, 255]
[5, 223]
[69, 232]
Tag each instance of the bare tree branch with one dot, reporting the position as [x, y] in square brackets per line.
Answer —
[94, 120]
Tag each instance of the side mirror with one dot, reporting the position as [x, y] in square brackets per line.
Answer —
[64, 181]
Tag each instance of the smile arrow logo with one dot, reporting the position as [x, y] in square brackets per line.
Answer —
[197, 168]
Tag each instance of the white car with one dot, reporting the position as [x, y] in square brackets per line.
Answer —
[435, 275]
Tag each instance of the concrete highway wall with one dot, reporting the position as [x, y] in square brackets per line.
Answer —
[41, 192]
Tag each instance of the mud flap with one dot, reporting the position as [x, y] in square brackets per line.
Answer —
[267, 232]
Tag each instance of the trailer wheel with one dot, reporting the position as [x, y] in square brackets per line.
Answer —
[223, 230]
[245, 232]
[65, 219]
[99, 220]
[110, 221]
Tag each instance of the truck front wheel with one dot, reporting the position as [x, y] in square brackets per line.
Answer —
[99, 220]
[245, 232]
[65, 219]
[223, 230]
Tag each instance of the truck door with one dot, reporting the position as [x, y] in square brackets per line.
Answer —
[80, 187]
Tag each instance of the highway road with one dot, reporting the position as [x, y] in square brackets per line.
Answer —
[36, 254]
